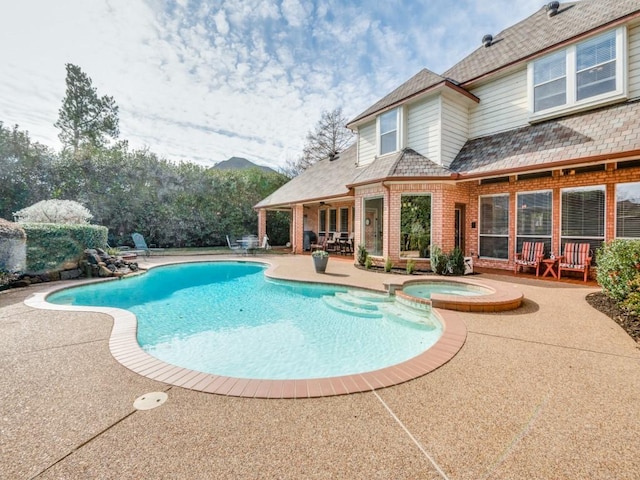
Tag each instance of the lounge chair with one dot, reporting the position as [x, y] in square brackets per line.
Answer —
[576, 258]
[531, 256]
[265, 243]
[235, 246]
[140, 244]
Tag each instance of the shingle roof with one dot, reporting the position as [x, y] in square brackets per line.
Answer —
[421, 81]
[538, 32]
[610, 130]
[406, 163]
[325, 179]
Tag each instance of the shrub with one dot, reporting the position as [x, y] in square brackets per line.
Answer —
[617, 262]
[438, 260]
[632, 302]
[362, 254]
[54, 211]
[455, 262]
[49, 246]
[368, 263]
[388, 265]
[411, 266]
[451, 264]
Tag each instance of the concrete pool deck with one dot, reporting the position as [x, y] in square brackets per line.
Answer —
[550, 390]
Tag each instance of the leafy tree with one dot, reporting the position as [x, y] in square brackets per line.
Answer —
[85, 118]
[26, 171]
[329, 138]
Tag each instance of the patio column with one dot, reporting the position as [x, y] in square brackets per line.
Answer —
[262, 224]
[297, 228]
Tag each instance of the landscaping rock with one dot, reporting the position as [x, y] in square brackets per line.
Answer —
[70, 274]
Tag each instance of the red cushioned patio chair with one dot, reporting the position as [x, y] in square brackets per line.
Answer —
[576, 258]
[531, 256]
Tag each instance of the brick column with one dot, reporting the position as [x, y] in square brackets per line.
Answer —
[262, 224]
[297, 228]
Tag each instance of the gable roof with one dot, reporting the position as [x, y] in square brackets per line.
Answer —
[540, 32]
[406, 163]
[609, 132]
[420, 82]
[324, 179]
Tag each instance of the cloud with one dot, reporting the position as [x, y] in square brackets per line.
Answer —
[203, 81]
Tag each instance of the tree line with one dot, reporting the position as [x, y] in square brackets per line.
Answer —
[129, 190]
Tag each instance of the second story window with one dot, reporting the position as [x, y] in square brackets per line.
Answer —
[596, 66]
[388, 128]
[550, 82]
[585, 73]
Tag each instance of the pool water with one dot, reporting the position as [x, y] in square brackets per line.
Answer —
[227, 318]
[425, 290]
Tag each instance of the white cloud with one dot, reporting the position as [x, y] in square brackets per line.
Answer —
[203, 81]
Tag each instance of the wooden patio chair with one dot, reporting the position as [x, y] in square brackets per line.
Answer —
[321, 244]
[531, 256]
[576, 258]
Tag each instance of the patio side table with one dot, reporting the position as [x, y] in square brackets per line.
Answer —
[551, 265]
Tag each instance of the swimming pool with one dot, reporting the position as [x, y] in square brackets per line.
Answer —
[226, 318]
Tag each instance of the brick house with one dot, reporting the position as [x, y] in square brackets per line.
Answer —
[533, 136]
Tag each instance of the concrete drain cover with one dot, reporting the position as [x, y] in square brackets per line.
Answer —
[150, 400]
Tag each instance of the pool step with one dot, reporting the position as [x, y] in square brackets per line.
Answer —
[357, 301]
[370, 296]
[343, 307]
[404, 313]
[407, 302]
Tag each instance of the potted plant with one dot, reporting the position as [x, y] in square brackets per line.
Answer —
[320, 260]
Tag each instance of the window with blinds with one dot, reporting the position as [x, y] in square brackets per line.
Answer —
[494, 226]
[333, 225]
[534, 219]
[589, 71]
[322, 221]
[628, 210]
[344, 219]
[583, 216]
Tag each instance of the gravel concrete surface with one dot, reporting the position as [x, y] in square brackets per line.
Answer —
[548, 391]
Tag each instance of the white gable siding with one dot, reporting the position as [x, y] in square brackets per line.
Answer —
[455, 129]
[367, 143]
[503, 105]
[423, 128]
[634, 62]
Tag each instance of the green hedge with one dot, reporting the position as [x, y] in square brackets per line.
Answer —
[617, 269]
[50, 245]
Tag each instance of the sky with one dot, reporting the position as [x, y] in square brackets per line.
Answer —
[205, 80]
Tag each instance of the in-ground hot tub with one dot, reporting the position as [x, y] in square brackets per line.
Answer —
[460, 294]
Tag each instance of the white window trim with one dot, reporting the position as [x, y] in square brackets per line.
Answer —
[399, 135]
[572, 104]
[508, 195]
